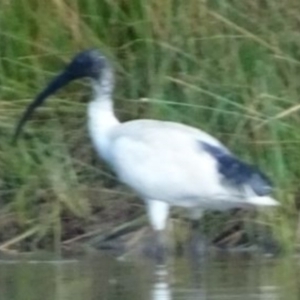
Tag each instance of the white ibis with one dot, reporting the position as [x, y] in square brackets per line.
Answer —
[165, 163]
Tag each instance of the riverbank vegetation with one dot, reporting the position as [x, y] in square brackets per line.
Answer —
[231, 68]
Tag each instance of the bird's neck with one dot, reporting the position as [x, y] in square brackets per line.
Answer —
[102, 119]
[103, 85]
[101, 109]
[101, 113]
[102, 122]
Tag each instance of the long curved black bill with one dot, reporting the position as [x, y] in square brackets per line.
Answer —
[57, 83]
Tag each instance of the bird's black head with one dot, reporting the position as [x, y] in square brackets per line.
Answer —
[89, 64]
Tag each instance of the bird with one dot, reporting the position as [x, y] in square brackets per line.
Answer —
[165, 163]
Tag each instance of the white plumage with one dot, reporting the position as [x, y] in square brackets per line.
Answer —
[165, 163]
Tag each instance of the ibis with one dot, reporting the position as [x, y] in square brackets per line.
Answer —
[166, 163]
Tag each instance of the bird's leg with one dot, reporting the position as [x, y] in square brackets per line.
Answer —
[160, 247]
[158, 212]
[198, 244]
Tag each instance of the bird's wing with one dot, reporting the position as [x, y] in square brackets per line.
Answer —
[149, 130]
[193, 147]
[165, 157]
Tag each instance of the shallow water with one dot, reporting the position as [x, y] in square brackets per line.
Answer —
[230, 277]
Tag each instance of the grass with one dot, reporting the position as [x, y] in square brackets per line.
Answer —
[228, 67]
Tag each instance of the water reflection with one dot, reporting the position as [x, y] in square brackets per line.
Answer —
[161, 288]
[103, 277]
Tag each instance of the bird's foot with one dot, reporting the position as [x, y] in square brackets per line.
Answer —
[157, 248]
[157, 252]
[198, 244]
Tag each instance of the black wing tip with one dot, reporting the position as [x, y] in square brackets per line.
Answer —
[238, 172]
